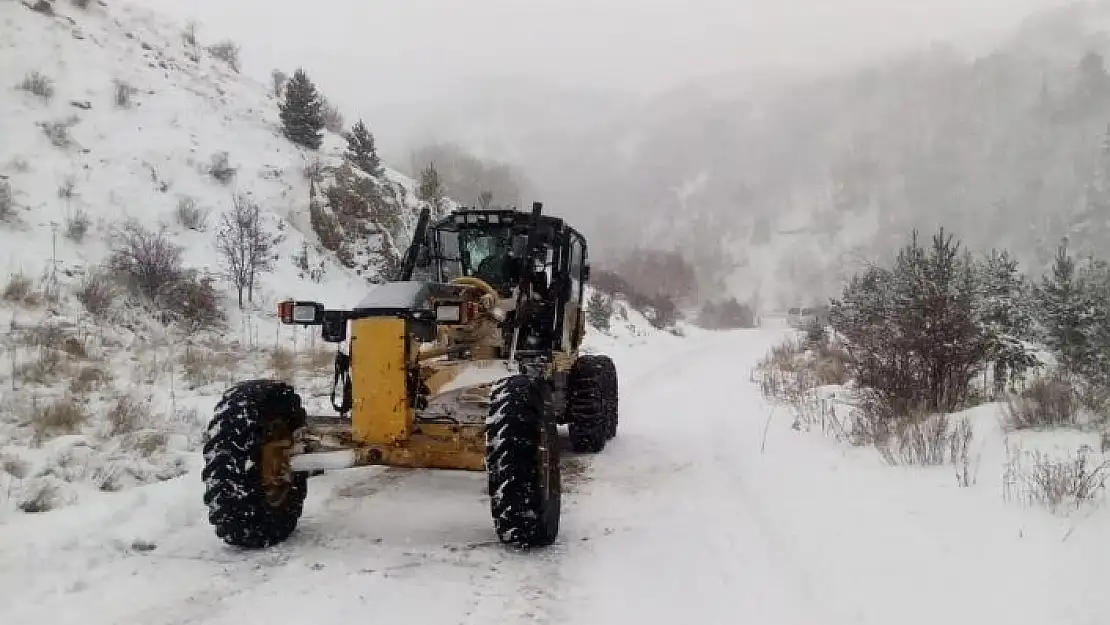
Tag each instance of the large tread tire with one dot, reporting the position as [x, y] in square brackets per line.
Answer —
[522, 463]
[586, 418]
[610, 396]
[244, 511]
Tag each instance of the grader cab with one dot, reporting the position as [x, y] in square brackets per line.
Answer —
[468, 360]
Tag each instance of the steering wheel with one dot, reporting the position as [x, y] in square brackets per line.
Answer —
[479, 284]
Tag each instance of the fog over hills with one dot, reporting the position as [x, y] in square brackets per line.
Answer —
[778, 144]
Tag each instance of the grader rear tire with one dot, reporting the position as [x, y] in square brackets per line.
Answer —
[522, 463]
[587, 409]
[254, 498]
[610, 396]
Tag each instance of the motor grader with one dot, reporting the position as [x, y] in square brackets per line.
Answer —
[468, 360]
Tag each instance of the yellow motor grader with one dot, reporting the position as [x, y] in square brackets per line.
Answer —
[469, 360]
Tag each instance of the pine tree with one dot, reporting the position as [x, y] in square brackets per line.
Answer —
[1063, 306]
[1004, 317]
[1094, 280]
[599, 311]
[361, 151]
[302, 115]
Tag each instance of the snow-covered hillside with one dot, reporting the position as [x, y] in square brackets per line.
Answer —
[109, 115]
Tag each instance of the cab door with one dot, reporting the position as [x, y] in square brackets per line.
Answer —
[572, 316]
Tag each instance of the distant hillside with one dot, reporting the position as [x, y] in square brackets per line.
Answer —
[783, 184]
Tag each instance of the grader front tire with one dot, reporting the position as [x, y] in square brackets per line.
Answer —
[522, 462]
[254, 499]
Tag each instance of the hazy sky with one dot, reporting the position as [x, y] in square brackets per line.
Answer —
[382, 55]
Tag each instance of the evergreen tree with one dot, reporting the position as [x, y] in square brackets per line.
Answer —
[1064, 310]
[1094, 280]
[912, 330]
[302, 115]
[1005, 319]
[599, 310]
[361, 151]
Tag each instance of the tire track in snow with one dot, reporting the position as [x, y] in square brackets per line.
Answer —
[683, 536]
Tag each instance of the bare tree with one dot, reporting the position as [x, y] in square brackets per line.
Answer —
[279, 79]
[245, 245]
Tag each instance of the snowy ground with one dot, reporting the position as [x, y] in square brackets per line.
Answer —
[681, 519]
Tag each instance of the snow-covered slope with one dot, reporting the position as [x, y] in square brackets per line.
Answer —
[141, 160]
[136, 116]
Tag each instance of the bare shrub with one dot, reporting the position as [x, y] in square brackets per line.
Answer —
[122, 94]
[7, 201]
[783, 355]
[90, 377]
[58, 131]
[320, 358]
[44, 335]
[38, 84]
[143, 260]
[193, 301]
[74, 347]
[96, 291]
[67, 190]
[221, 169]
[816, 332]
[1036, 478]
[149, 265]
[81, 4]
[77, 224]
[919, 441]
[44, 367]
[126, 415]
[146, 442]
[192, 216]
[62, 416]
[204, 365]
[920, 438]
[831, 364]
[20, 289]
[226, 51]
[1047, 402]
[14, 466]
[40, 495]
[282, 363]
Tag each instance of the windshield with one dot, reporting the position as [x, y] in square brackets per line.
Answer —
[474, 252]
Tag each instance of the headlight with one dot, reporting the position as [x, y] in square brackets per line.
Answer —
[449, 313]
[304, 313]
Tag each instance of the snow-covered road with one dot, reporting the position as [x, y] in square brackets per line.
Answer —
[681, 519]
